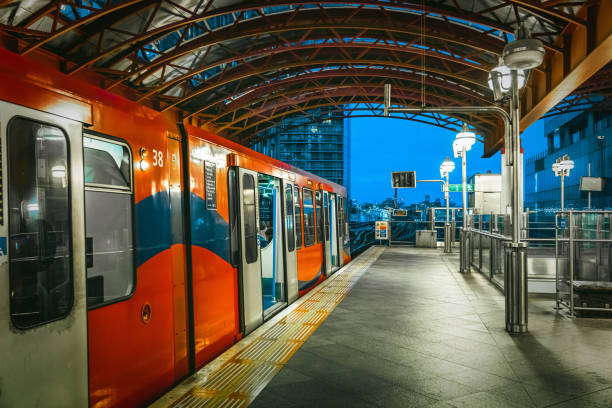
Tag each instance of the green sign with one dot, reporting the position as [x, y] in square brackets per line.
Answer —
[458, 188]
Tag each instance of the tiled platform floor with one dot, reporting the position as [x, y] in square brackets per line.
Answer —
[414, 332]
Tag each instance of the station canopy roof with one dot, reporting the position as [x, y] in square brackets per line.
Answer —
[244, 65]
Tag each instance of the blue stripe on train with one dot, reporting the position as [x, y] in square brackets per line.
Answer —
[154, 228]
[307, 284]
[208, 229]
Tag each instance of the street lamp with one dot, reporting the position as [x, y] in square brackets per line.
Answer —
[446, 168]
[462, 144]
[520, 55]
[500, 80]
[562, 168]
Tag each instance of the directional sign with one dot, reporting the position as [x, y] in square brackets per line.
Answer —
[458, 188]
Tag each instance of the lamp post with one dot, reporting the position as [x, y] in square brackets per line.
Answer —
[462, 144]
[562, 168]
[519, 56]
[446, 168]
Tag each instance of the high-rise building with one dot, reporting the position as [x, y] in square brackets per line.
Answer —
[318, 143]
[587, 138]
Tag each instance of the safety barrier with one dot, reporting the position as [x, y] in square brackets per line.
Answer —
[487, 238]
[583, 252]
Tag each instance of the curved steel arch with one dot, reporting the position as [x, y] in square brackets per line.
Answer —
[262, 104]
[403, 94]
[474, 62]
[337, 100]
[364, 76]
[429, 7]
[246, 72]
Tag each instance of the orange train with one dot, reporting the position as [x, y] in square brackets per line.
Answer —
[133, 249]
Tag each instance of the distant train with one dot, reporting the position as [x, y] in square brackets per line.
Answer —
[135, 249]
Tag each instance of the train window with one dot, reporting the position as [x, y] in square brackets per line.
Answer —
[319, 214]
[309, 222]
[109, 233]
[298, 216]
[289, 223]
[250, 218]
[106, 164]
[234, 210]
[40, 250]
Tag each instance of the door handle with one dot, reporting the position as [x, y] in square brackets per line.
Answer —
[89, 252]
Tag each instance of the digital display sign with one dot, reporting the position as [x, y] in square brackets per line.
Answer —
[403, 179]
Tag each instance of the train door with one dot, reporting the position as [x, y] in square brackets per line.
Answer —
[327, 255]
[290, 247]
[180, 315]
[250, 271]
[43, 310]
[333, 225]
[271, 244]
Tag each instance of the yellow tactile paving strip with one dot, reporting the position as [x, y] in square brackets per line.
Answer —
[245, 371]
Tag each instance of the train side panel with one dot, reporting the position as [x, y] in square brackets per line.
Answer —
[215, 286]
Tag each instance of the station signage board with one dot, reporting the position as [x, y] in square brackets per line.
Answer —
[591, 183]
[382, 230]
[458, 188]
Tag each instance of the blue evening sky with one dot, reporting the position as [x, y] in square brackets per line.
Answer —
[382, 145]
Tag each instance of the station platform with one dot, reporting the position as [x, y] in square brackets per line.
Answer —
[401, 327]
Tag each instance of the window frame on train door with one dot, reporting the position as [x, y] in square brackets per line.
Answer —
[297, 203]
[314, 222]
[69, 212]
[288, 187]
[319, 228]
[120, 141]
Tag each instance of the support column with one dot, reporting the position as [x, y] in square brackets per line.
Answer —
[516, 251]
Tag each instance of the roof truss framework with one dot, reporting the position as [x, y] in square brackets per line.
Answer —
[238, 65]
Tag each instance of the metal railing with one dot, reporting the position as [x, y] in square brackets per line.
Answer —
[583, 253]
[403, 232]
[487, 236]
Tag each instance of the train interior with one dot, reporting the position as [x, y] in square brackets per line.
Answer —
[271, 244]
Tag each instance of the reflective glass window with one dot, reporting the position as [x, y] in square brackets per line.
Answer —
[106, 163]
[298, 217]
[309, 221]
[250, 217]
[326, 215]
[234, 210]
[40, 251]
[109, 233]
[319, 214]
[289, 218]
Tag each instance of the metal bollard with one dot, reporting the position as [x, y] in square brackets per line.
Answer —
[464, 251]
[448, 242]
[515, 287]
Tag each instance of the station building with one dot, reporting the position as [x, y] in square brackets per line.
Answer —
[319, 143]
[587, 138]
